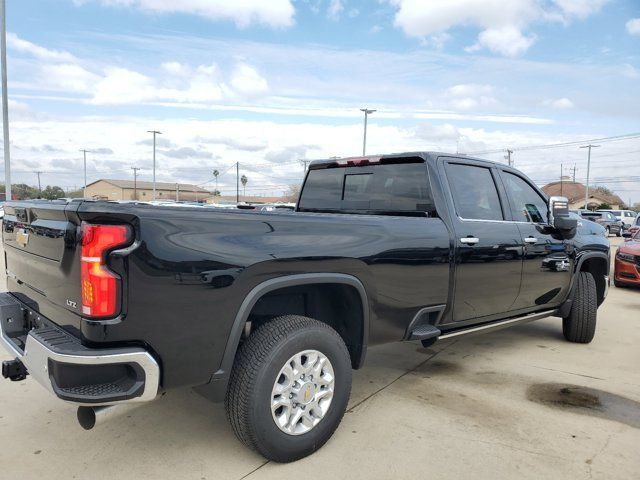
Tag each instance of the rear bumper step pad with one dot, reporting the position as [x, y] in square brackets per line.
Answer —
[70, 370]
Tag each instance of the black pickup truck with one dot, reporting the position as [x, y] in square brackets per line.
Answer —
[113, 303]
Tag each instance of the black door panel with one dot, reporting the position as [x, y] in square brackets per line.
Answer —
[548, 261]
[487, 272]
[488, 258]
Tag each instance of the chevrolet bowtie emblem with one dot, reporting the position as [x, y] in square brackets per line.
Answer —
[22, 237]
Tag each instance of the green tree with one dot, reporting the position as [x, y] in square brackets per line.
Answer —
[244, 180]
[215, 175]
[51, 192]
[604, 206]
[22, 191]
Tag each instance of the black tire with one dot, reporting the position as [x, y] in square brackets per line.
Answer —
[258, 362]
[619, 233]
[580, 325]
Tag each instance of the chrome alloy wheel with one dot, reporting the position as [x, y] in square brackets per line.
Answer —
[302, 392]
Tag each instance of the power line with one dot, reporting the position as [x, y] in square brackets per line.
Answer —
[558, 145]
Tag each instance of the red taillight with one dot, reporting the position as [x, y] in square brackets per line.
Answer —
[99, 284]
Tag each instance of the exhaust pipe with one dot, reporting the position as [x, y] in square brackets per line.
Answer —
[88, 417]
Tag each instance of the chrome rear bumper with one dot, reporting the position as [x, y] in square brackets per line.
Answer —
[75, 373]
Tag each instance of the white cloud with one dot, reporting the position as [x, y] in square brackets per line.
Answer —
[469, 96]
[247, 81]
[24, 46]
[629, 71]
[272, 13]
[502, 24]
[121, 86]
[203, 85]
[507, 41]
[559, 104]
[335, 9]
[633, 26]
[175, 68]
[580, 8]
[69, 77]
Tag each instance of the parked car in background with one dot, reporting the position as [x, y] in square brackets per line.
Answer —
[588, 227]
[627, 263]
[606, 219]
[636, 225]
[627, 217]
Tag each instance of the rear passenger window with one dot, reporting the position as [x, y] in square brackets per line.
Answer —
[401, 188]
[323, 189]
[526, 204]
[388, 188]
[474, 192]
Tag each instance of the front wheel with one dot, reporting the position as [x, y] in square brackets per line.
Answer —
[580, 325]
[289, 387]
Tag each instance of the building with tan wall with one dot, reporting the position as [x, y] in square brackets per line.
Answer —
[106, 189]
[575, 192]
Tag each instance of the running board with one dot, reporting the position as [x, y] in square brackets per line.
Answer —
[498, 325]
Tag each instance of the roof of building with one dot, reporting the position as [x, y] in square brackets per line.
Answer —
[574, 191]
[184, 187]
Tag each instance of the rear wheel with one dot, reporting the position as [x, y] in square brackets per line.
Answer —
[289, 387]
[580, 325]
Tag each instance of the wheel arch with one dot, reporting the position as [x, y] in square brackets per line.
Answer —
[596, 263]
[260, 291]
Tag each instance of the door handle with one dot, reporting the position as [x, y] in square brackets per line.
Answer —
[469, 240]
[530, 240]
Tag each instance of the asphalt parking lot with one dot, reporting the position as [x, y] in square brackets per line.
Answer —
[518, 403]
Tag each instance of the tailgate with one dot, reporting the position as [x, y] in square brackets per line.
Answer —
[41, 251]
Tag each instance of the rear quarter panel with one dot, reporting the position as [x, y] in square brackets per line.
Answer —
[186, 317]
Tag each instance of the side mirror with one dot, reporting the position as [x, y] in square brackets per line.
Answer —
[559, 214]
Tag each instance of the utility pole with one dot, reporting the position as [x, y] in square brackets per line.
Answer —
[84, 190]
[178, 192]
[39, 186]
[508, 157]
[574, 173]
[5, 103]
[367, 112]
[586, 191]
[237, 182]
[135, 182]
[561, 181]
[304, 163]
[155, 132]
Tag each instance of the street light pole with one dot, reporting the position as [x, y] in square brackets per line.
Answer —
[135, 182]
[508, 157]
[586, 191]
[5, 103]
[367, 112]
[155, 132]
[84, 190]
[39, 186]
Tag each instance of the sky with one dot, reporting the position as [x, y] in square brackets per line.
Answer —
[269, 84]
